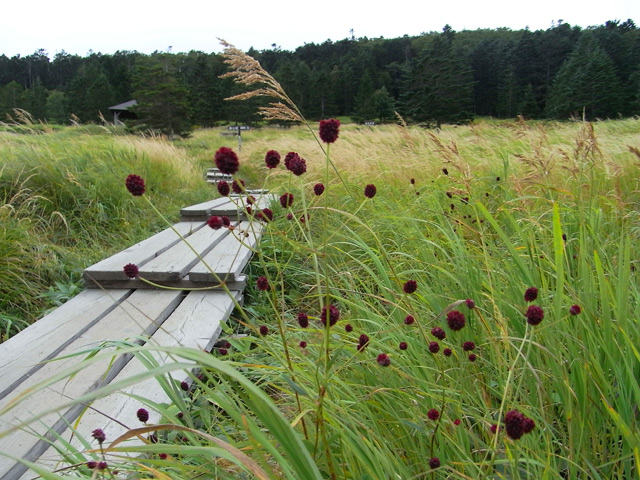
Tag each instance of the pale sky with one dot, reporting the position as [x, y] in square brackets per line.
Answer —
[78, 26]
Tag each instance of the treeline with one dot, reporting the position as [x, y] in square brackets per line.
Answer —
[437, 77]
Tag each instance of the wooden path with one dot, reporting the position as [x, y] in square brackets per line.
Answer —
[114, 307]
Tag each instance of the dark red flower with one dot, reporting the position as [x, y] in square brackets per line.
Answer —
[455, 320]
[102, 465]
[370, 191]
[318, 189]
[513, 423]
[333, 314]
[447, 352]
[410, 286]
[288, 157]
[184, 386]
[223, 351]
[99, 435]
[272, 159]
[383, 360]
[215, 222]
[363, 341]
[92, 464]
[227, 160]
[163, 456]
[456, 422]
[298, 165]
[413, 181]
[329, 130]
[445, 171]
[434, 463]
[251, 200]
[348, 328]
[528, 425]
[472, 357]
[531, 294]
[303, 344]
[433, 414]
[223, 188]
[263, 283]
[264, 330]
[289, 216]
[237, 186]
[226, 221]
[403, 346]
[434, 347]
[575, 309]
[493, 428]
[286, 200]
[131, 270]
[143, 415]
[468, 346]
[266, 215]
[439, 333]
[409, 319]
[303, 320]
[534, 314]
[470, 304]
[135, 185]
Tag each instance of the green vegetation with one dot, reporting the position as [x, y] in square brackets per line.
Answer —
[64, 207]
[481, 212]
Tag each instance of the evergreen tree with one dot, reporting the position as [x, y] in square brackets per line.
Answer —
[99, 97]
[586, 83]
[383, 104]
[365, 108]
[56, 107]
[36, 100]
[439, 84]
[11, 97]
[161, 97]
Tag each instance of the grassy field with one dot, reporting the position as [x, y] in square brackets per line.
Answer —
[472, 217]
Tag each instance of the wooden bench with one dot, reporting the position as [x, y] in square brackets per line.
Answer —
[214, 175]
[114, 308]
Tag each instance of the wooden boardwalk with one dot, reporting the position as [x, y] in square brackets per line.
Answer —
[113, 308]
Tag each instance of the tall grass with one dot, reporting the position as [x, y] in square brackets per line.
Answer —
[64, 207]
[476, 213]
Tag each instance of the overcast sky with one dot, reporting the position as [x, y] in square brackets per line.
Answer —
[80, 26]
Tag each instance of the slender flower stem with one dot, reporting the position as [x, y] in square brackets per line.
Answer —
[504, 400]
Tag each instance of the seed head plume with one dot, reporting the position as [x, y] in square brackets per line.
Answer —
[246, 70]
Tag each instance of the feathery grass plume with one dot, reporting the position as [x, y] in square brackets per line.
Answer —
[247, 71]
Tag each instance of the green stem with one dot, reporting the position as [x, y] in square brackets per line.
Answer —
[504, 400]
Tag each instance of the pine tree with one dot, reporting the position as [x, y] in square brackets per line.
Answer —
[439, 84]
[162, 99]
[586, 84]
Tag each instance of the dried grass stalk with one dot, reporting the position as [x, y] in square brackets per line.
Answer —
[247, 71]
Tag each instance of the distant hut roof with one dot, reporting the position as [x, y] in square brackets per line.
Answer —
[124, 106]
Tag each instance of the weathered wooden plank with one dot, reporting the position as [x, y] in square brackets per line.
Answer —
[140, 253]
[140, 314]
[184, 283]
[22, 355]
[174, 264]
[195, 323]
[205, 208]
[230, 256]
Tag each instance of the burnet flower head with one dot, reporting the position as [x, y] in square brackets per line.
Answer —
[329, 130]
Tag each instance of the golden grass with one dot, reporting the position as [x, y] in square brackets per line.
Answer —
[160, 151]
[529, 152]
